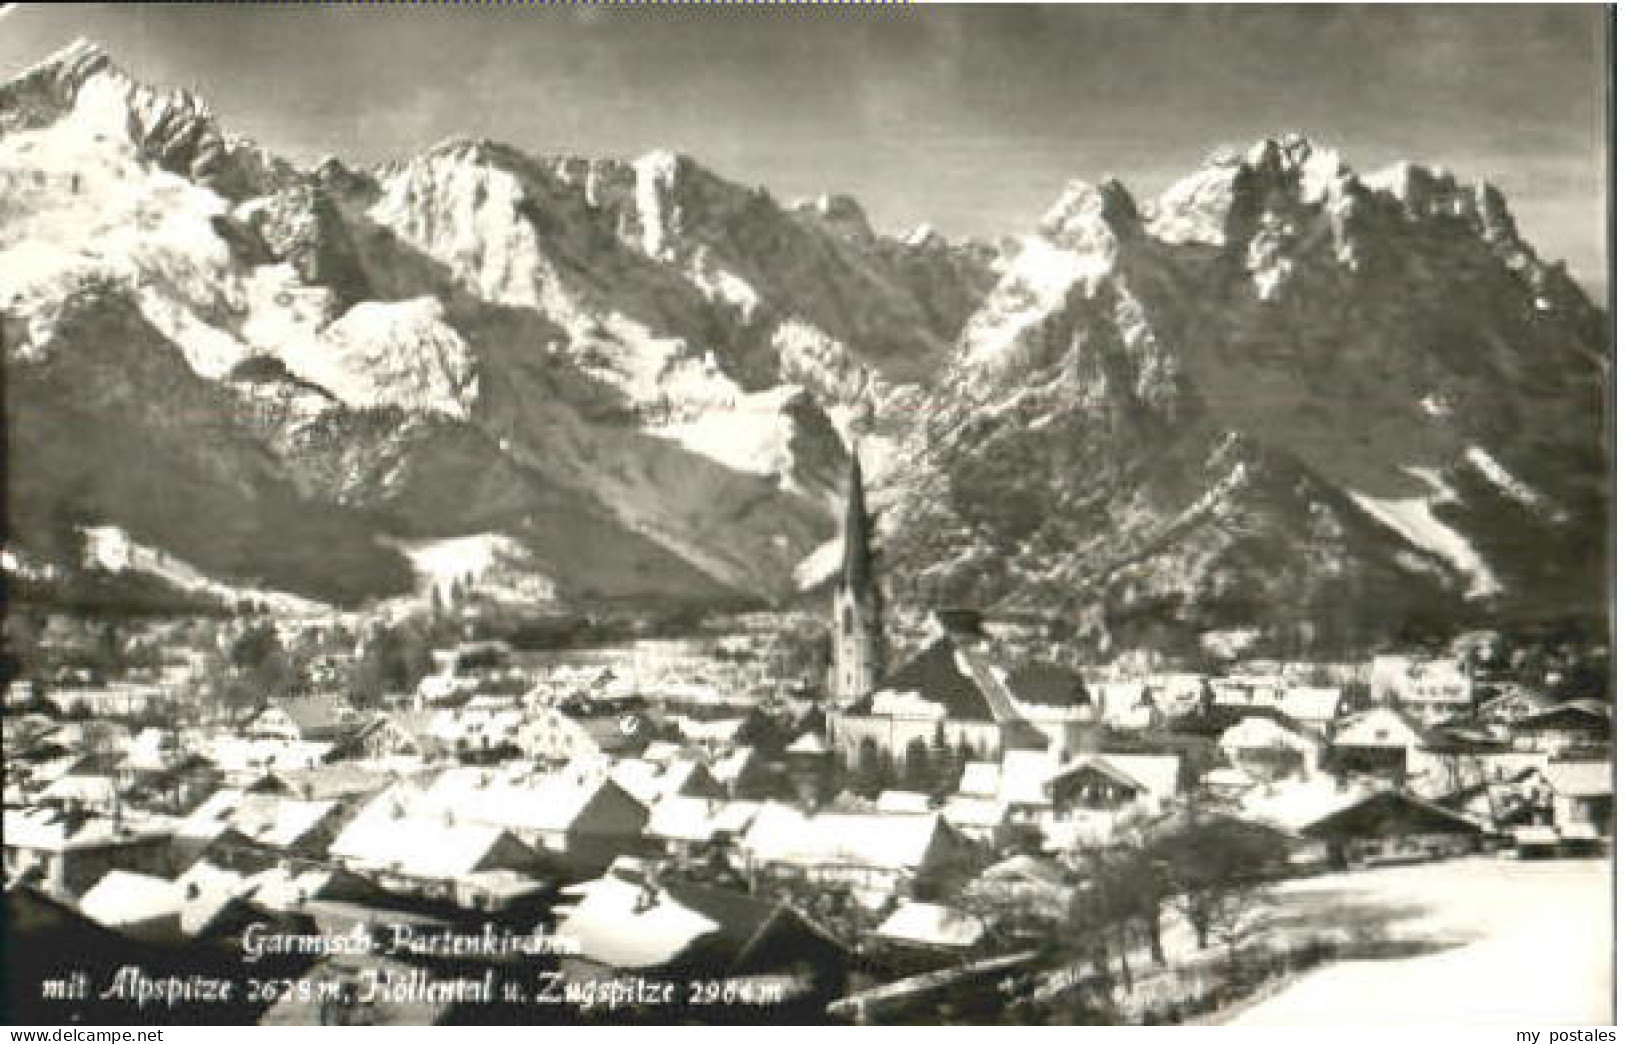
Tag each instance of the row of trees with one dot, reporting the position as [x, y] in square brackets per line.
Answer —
[259, 665]
[1206, 866]
[932, 768]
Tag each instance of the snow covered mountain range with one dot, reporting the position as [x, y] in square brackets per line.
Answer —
[588, 380]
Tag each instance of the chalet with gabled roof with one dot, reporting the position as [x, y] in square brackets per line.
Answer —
[307, 719]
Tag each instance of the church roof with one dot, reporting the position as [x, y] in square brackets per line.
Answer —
[936, 675]
[960, 678]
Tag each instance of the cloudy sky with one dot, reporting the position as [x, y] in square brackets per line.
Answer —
[971, 119]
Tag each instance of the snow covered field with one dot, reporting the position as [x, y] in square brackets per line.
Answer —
[1483, 941]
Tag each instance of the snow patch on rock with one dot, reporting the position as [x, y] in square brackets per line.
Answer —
[1413, 519]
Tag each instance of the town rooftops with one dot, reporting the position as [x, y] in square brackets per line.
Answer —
[325, 782]
[933, 925]
[782, 834]
[316, 717]
[419, 846]
[122, 899]
[267, 819]
[53, 829]
[292, 887]
[1156, 775]
[91, 790]
[1027, 869]
[682, 818]
[976, 813]
[1580, 779]
[649, 782]
[1265, 730]
[628, 925]
[902, 801]
[1311, 705]
[808, 743]
[546, 802]
[979, 778]
[1583, 714]
[1384, 813]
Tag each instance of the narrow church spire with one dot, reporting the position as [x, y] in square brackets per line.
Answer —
[859, 637]
[857, 567]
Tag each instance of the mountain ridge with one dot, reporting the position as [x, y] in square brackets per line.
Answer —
[640, 379]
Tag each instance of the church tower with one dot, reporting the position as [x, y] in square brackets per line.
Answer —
[859, 645]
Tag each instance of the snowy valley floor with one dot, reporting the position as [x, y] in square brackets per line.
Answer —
[1478, 941]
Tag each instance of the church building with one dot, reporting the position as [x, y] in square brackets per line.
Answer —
[956, 691]
[859, 641]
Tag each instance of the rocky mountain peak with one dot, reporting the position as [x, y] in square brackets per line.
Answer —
[1089, 215]
[841, 213]
[173, 127]
[1277, 392]
[73, 64]
[1283, 378]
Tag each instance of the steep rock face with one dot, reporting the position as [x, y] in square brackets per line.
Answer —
[1284, 397]
[174, 129]
[107, 424]
[1280, 396]
[627, 376]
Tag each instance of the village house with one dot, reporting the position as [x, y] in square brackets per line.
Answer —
[553, 737]
[696, 830]
[424, 855]
[245, 759]
[1271, 746]
[1432, 690]
[401, 736]
[905, 802]
[931, 930]
[1035, 883]
[1506, 702]
[683, 931]
[1391, 826]
[265, 825]
[650, 782]
[340, 781]
[310, 719]
[1127, 705]
[978, 818]
[65, 850]
[746, 775]
[1110, 781]
[1384, 741]
[112, 700]
[142, 906]
[1315, 707]
[580, 820]
[874, 856]
[1583, 725]
[1582, 799]
[1505, 805]
[1240, 689]
[94, 782]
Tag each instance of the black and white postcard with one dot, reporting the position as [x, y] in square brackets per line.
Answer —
[834, 514]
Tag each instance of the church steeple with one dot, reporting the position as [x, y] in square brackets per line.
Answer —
[859, 646]
[856, 557]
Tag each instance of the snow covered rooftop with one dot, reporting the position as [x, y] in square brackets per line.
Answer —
[784, 834]
[930, 924]
[623, 925]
